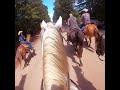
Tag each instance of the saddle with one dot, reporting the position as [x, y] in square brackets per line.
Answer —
[73, 29]
[25, 45]
[68, 34]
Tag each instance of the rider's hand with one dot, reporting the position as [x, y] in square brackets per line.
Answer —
[81, 22]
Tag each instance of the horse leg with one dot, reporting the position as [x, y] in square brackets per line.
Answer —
[81, 64]
[80, 55]
[90, 41]
[16, 64]
[31, 52]
[25, 60]
[86, 41]
[95, 45]
[80, 51]
[68, 37]
[75, 46]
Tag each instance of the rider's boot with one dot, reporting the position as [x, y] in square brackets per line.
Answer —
[82, 29]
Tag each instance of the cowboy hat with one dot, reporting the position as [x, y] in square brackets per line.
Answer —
[20, 32]
[70, 14]
[85, 10]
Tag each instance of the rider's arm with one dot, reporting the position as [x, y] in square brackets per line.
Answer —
[82, 18]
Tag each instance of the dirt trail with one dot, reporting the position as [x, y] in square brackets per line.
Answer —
[91, 76]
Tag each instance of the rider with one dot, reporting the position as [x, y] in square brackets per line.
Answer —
[22, 40]
[72, 23]
[85, 17]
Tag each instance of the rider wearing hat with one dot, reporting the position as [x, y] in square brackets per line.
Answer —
[72, 23]
[22, 40]
[85, 17]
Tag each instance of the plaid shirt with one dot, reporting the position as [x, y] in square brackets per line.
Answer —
[86, 18]
[73, 22]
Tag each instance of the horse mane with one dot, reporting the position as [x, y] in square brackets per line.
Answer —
[55, 65]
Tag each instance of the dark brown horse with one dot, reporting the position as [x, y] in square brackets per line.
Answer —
[100, 50]
[77, 38]
[21, 53]
[90, 30]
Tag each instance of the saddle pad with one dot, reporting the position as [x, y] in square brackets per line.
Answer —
[25, 45]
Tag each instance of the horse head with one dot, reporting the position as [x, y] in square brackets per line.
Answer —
[57, 25]
[46, 26]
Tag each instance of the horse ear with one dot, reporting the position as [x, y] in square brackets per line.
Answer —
[43, 25]
[59, 23]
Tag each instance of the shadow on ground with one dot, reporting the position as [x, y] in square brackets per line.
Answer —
[21, 85]
[83, 83]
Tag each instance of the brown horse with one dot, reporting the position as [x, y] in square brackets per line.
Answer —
[21, 52]
[77, 38]
[100, 45]
[90, 30]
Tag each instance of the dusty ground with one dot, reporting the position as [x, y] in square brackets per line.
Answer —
[91, 76]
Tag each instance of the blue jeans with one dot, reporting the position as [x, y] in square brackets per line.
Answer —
[81, 26]
[25, 42]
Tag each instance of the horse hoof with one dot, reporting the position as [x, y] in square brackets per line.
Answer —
[81, 65]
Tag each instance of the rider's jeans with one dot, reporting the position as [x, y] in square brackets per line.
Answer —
[81, 26]
[25, 42]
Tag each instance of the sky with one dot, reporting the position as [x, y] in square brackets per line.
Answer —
[50, 5]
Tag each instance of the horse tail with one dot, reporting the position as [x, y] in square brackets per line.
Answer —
[80, 37]
[80, 40]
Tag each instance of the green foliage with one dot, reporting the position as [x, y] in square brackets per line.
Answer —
[29, 14]
[77, 15]
[96, 8]
[62, 8]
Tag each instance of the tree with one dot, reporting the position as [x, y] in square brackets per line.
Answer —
[29, 14]
[96, 7]
[62, 8]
